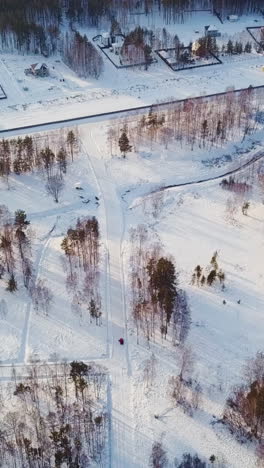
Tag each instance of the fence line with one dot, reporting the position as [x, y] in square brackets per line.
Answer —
[79, 120]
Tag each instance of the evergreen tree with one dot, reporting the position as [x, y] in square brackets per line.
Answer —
[11, 284]
[248, 48]
[230, 47]
[21, 219]
[71, 141]
[124, 144]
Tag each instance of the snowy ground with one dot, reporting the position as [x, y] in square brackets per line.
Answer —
[24, 333]
[35, 100]
[192, 223]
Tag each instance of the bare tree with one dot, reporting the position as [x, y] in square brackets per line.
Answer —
[42, 297]
[54, 186]
[186, 362]
[150, 370]
[158, 457]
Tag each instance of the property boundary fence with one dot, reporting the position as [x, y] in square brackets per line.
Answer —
[218, 61]
[252, 35]
[217, 14]
[78, 120]
[125, 66]
[2, 93]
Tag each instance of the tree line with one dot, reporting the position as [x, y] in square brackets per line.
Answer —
[204, 122]
[47, 155]
[81, 247]
[35, 25]
[172, 11]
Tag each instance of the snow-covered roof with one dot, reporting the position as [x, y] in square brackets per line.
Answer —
[233, 17]
[38, 66]
[105, 35]
[212, 27]
[164, 54]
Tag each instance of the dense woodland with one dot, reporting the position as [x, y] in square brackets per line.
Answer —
[34, 25]
[55, 417]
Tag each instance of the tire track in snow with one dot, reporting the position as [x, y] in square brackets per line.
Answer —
[121, 412]
[24, 349]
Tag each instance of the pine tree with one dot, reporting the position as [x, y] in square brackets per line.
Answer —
[11, 284]
[248, 48]
[124, 144]
[211, 277]
[230, 47]
[71, 141]
[21, 219]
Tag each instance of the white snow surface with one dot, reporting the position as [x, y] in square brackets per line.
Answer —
[192, 224]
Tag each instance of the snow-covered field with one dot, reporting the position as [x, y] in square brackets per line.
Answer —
[25, 334]
[191, 222]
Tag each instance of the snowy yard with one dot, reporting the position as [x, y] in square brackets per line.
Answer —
[33, 99]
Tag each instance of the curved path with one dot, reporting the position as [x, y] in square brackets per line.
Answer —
[256, 157]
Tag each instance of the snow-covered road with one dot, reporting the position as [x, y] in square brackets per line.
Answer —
[113, 227]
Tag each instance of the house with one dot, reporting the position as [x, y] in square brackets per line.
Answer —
[232, 18]
[211, 31]
[37, 69]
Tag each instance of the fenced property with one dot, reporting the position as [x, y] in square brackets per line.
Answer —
[185, 59]
[2, 93]
[257, 33]
[122, 57]
[114, 59]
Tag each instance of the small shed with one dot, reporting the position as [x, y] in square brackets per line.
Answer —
[37, 69]
[211, 31]
[106, 39]
[232, 18]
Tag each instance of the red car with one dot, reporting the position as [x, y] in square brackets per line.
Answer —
[121, 341]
